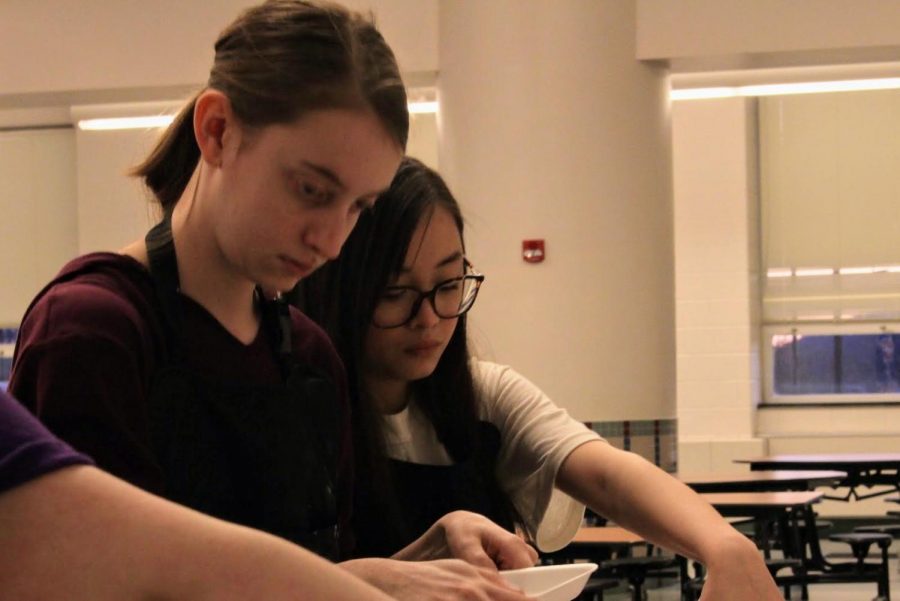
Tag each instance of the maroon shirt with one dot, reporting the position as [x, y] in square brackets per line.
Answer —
[92, 340]
[27, 449]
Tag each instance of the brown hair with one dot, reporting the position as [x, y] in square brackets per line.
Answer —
[276, 62]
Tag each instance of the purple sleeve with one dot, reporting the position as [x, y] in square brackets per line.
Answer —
[27, 449]
[79, 367]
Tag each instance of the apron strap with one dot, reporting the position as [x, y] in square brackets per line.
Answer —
[164, 269]
[276, 315]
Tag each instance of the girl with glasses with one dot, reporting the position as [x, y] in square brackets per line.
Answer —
[437, 430]
[175, 364]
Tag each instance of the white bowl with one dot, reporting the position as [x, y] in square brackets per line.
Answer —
[561, 582]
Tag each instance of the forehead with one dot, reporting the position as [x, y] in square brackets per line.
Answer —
[436, 237]
[352, 143]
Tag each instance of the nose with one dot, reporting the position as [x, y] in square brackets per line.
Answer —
[328, 232]
[425, 317]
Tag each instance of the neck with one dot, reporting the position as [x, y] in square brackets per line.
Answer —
[388, 395]
[203, 271]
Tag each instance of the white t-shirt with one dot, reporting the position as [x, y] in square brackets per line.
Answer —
[536, 436]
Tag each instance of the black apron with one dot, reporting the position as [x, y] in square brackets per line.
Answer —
[424, 493]
[264, 457]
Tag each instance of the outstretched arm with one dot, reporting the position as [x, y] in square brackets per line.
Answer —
[639, 496]
[79, 533]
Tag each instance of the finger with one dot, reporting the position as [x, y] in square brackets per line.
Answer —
[514, 553]
[475, 554]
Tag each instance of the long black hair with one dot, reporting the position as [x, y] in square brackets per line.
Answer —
[341, 297]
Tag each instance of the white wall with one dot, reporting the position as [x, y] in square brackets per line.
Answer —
[745, 34]
[38, 230]
[716, 275]
[551, 130]
[63, 46]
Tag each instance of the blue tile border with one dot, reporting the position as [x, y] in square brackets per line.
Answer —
[654, 439]
[7, 345]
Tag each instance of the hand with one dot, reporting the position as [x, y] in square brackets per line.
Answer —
[472, 538]
[479, 541]
[439, 580]
[739, 574]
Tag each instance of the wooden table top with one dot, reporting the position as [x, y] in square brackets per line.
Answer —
[606, 535]
[775, 500]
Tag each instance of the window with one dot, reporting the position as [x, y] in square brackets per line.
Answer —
[830, 233]
[813, 365]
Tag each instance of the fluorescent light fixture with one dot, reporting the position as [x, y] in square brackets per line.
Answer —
[422, 107]
[869, 270]
[149, 122]
[779, 272]
[859, 270]
[126, 123]
[817, 317]
[703, 93]
[786, 272]
[805, 272]
[812, 87]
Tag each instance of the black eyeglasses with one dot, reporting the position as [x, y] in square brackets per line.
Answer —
[398, 305]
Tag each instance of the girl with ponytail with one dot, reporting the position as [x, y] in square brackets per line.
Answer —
[175, 363]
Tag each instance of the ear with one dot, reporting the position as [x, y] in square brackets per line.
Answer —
[215, 126]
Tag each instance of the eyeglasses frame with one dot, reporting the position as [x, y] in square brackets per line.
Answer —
[474, 275]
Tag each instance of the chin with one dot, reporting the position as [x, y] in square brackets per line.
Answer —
[419, 372]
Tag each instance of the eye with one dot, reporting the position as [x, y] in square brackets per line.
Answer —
[393, 294]
[362, 205]
[311, 192]
[450, 286]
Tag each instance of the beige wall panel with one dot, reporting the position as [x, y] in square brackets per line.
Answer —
[38, 230]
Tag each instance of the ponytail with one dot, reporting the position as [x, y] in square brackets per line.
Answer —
[169, 167]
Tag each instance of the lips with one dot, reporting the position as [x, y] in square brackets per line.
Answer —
[423, 347]
[298, 268]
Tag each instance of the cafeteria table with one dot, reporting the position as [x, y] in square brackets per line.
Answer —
[786, 509]
[760, 481]
[610, 547]
[598, 543]
[863, 470]
[798, 535]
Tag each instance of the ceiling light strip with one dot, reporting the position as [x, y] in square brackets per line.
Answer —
[815, 87]
[149, 122]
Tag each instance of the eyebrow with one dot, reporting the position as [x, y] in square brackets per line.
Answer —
[446, 261]
[326, 173]
[334, 179]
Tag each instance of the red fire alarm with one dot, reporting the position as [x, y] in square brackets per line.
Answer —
[533, 251]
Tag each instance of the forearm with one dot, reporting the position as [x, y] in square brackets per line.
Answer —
[120, 543]
[642, 498]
